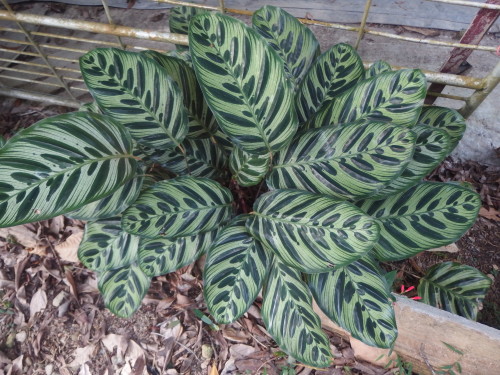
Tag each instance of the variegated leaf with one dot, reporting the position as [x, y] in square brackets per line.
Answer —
[311, 232]
[248, 169]
[426, 216]
[201, 158]
[106, 246]
[454, 287]
[334, 72]
[2, 141]
[295, 43]
[113, 204]
[446, 119]
[202, 122]
[135, 91]
[289, 317]
[431, 147]
[179, 19]
[350, 161]
[61, 164]
[395, 97]
[123, 289]
[244, 83]
[162, 255]
[378, 67]
[183, 206]
[357, 298]
[224, 141]
[236, 267]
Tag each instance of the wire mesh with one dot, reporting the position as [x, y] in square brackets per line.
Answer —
[39, 54]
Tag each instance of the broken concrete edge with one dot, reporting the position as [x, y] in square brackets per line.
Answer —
[424, 332]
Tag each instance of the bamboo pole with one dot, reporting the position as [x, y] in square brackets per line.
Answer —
[363, 23]
[468, 3]
[48, 99]
[478, 96]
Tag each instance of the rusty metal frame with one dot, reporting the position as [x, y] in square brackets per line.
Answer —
[481, 86]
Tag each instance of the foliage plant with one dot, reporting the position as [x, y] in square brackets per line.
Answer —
[162, 166]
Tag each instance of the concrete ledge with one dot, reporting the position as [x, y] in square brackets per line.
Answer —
[422, 331]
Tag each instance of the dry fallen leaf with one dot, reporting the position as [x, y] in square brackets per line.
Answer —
[491, 214]
[213, 370]
[82, 355]
[38, 302]
[67, 250]
[451, 248]
[20, 234]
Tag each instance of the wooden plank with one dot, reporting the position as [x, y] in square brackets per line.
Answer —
[422, 331]
[417, 13]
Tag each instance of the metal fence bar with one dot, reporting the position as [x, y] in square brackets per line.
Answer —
[35, 45]
[185, 3]
[110, 20]
[468, 3]
[40, 82]
[64, 37]
[361, 31]
[478, 96]
[36, 55]
[20, 62]
[38, 73]
[48, 99]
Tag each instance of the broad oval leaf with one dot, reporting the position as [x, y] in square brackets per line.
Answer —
[357, 298]
[179, 19]
[90, 107]
[135, 91]
[243, 82]
[183, 206]
[431, 148]
[236, 267]
[395, 97]
[426, 216]
[123, 289]
[351, 161]
[162, 255]
[201, 158]
[290, 319]
[311, 232]
[294, 42]
[202, 122]
[106, 246]
[224, 142]
[60, 164]
[113, 204]
[446, 119]
[454, 287]
[335, 71]
[378, 67]
[248, 169]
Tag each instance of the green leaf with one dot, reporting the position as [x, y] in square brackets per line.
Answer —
[431, 148]
[2, 141]
[377, 68]
[248, 169]
[113, 204]
[426, 216]
[350, 161]
[61, 164]
[357, 298]
[162, 255]
[453, 349]
[183, 206]
[311, 232]
[289, 317]
[205, 319]
[394, 97]
[244, 83]
[135, 91]
[224, 141]
[106, 246]
[234, 271]
[90, 107]
[295, 43]
[202, 122]
[123, 289]
[201, 158]
[446, 119]
[334, 72]
[454, 287]
[179, 21]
